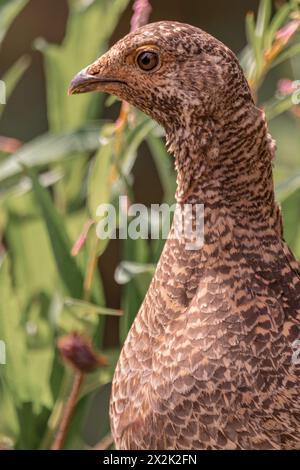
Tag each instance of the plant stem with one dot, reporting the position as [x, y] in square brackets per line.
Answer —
[57, 411]
[69, 407]
[91, 269]
[68, 412]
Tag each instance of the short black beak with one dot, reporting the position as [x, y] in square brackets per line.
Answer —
[84, 82]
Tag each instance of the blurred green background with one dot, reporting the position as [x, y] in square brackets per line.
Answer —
[60, 157]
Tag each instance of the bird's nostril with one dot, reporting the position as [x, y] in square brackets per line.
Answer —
[93, 69]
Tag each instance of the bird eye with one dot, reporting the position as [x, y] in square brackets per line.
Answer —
[147, 60]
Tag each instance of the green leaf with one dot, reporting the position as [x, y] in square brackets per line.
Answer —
[99, 185]
[22, 362]
[83, 308]
[137, 251]
[61, 245]
[247, 62]
[277, 21]
[88, 30]
[9, 9]
[286, 55]
[74, 183]
[8, 417]
[132, 299]
[291, 215]
[13, 75]
[28, 241]
[52, 423]
[50, 148]
[278, 106]
[263, 18]
[288, 187]
[14, 373]
[164, 167]
[253, 40]
[101, 376]
[250, 29]
[134, 140]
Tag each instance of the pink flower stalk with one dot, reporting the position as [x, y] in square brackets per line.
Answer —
[140, 17]
[80, 242]
[9, 145]
[285, 87]
[285, 34]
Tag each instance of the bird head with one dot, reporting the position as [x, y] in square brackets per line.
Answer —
[169, 70]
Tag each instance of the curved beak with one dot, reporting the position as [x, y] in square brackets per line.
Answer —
[84, 82]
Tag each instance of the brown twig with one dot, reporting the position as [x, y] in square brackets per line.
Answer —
[141, 13]
[68, 412]
[142, 10]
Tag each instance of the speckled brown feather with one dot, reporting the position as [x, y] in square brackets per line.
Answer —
[208, 361]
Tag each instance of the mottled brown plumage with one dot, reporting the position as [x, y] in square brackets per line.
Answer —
[208, 361]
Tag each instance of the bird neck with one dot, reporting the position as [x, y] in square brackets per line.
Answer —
[227, 167]
[227, 163]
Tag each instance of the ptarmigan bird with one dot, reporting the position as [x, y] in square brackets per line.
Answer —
[210, 360]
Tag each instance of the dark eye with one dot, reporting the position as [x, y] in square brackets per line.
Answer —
[147, 60]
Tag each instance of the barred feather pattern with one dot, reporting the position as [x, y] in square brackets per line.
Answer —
[208, 361]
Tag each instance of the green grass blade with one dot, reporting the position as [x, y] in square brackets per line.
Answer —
[9, 9]
[287, 188]
[251, 35]
[50, 148]
[276, 107]
[12, 333]
[99, 185]
[263, 18]
[83, 308]
[277, 21]
[69, 272]
[89, 28]
[12, 76]
[164, 166]
[286, 55]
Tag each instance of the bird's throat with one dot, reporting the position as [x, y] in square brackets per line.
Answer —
[228, 168]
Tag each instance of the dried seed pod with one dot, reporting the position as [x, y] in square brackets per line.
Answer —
[78, 352]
